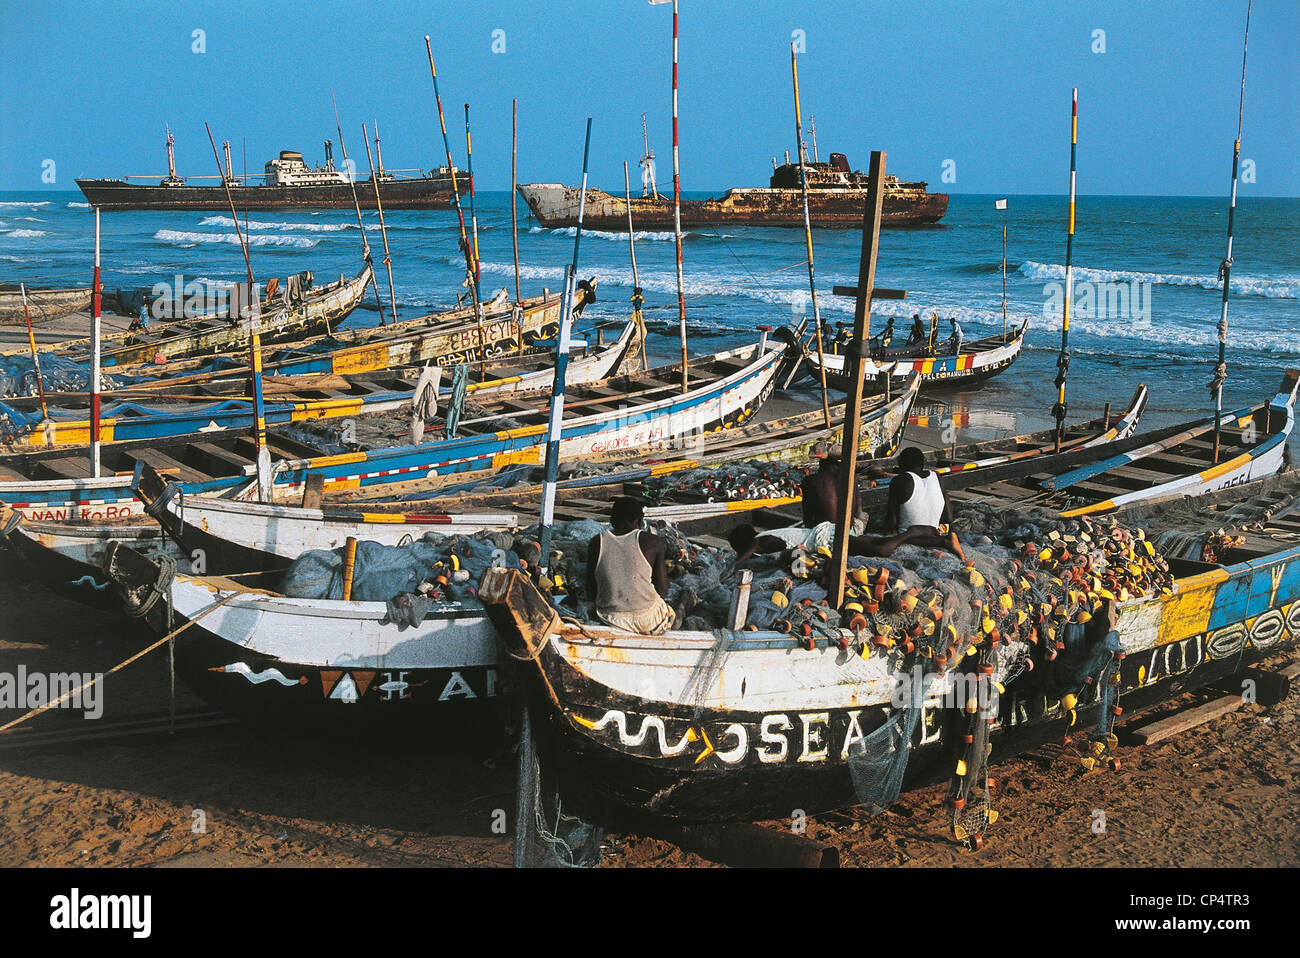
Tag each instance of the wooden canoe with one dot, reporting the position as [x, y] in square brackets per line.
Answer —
[977, 361]
[44, 304]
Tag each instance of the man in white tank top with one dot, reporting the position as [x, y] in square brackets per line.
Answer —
[627, 576]
[917, 508]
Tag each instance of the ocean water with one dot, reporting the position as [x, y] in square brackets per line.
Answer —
[1147, 293]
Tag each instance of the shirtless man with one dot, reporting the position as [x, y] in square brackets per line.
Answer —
[627, 577]
[821, 494]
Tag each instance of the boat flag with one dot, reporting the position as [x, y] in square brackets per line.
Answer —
[1000, 204]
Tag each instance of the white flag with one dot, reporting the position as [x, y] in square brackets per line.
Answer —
[999, 204]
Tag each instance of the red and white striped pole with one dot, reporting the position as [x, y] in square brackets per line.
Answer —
[677, 212]
[95, 305]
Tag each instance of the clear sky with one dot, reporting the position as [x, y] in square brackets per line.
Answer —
[983, 84]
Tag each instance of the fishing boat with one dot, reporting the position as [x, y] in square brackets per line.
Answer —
[43, 303]
[315, 398]
[237, 535]
[975, 361]
[259, 654]
[622, 414]
[746, 726]
[69, 557]
[1177, 461]
[319, 309]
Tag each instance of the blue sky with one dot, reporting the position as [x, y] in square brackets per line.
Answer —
[985, 85]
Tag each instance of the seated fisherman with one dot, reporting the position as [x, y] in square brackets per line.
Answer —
[917, 507]
[627, 577]
[820, 491]
[918, 330]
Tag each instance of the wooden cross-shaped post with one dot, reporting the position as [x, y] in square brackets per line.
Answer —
[864, 293]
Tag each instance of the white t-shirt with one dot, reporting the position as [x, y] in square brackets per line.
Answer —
[924, 507]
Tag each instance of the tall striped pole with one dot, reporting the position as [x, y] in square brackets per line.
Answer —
[1225, 268]
[807, 233]
[255, 346]
[1063, 360]
[96, 305]
[677, 213]
[554, 427]
[471, 266]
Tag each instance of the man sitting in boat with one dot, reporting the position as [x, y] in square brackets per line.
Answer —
[918, 330]
[628, 577]
[918, 509]
[820, 492]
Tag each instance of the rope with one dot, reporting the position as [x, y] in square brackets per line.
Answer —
[158, 588]
[121, 665]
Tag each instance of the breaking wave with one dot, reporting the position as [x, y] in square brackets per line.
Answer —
[257, 225]
[24, 234]
[1244, 285]
[658, 236]
[78, 206]
[193, 239]
[14, 204]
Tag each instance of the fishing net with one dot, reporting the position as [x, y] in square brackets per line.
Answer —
[878, 761]
[18, 376]
[735, 481]
[547, 835]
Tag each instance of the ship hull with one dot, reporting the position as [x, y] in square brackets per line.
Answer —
[555, 205]
[429, 193]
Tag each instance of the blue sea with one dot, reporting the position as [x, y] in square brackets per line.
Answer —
[1157, 326]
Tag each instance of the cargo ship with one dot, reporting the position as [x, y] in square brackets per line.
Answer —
[837, 198]
[287, 183]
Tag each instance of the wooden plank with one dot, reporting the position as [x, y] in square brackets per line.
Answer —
[67, 468]
[1164, 728]
[166, 465]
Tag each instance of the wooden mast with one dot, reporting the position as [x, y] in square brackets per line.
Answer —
[1063, 360]
[470, 266]
[1225, 268]
[36, 358]
[356, 204]
[514, 205]
[383, 228]
[637, 297]
[473, 218]
[807, 232]
[853, 367]
[255, 346]
[555, 422]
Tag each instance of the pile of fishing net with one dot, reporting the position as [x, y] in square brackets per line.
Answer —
[58, 374]
[735, 481]
[418, 577]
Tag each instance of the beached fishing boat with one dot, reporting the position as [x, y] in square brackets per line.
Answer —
[747, 726]
[618, 415]
[1176, 461]
[43, 303]
[319, 309]
[241, 536]
[323, 396]
[976, 361]
[69, 557]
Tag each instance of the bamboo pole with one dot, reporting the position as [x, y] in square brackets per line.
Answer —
[853, 367]
[36, 358]
[677, 214]
[514, 183]
[1063, 360]
[637, 297]
[349, 566]
[470, 265]
[1225, 268]
[255, 346]
[383, 227]
[555, 423]
[356, 204]
[473, 218]
[807, 232]
[96, 308]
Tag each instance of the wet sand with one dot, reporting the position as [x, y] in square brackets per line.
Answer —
[1227, 794]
